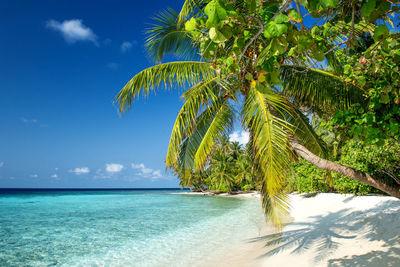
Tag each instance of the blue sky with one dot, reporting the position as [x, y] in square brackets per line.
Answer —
[61, 64]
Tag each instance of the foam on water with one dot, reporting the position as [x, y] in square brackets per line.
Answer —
[121, 228]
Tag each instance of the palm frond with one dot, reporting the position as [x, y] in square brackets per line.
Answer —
[188, 8]
[191, 143]
[166, 36]
[196, 97]
[276, 205]
[359, 28]
[306, 134]
[272, 152]
[318, 89]
[219, 127]
[181, 74]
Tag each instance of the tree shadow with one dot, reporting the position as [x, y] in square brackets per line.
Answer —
[325, 233]
[309, 195]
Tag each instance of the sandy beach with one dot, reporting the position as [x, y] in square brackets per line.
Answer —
[327, 230]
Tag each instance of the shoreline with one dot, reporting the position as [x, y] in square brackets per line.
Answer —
[328, 229]
[251, 194]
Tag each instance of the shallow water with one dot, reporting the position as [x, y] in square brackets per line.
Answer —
[121, 228]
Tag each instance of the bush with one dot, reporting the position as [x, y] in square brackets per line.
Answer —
[248, 187]
[380, 161]
[307, 178]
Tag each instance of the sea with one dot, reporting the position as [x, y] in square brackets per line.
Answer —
[122, 227]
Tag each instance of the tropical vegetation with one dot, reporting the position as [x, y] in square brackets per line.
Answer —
[230, 169]
[291, 72]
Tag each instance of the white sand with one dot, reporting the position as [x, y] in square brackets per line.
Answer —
[328, 230]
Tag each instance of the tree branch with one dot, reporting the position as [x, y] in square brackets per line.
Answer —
[299, 11]
[262, 26]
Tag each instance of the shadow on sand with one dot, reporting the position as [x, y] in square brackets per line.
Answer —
[381, 223]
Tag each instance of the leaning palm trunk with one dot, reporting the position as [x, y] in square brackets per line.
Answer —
[302, 151]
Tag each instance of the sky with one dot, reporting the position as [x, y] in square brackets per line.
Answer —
[61, 65]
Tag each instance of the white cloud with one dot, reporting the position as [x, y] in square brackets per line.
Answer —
[54, 176]
[25, 120]
[56, 169]
[79, 171]
[125, 46]
[1, 164]
[73, 30]
[114, 167]
[157, 174]
[137, 166]
[242, 138]
[146, 172]
[34, 175]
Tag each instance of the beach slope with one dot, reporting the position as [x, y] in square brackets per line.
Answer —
[328, 230]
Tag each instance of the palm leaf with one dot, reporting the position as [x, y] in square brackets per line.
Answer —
[318, 90]
[166, 36]
[189, 7]
[219, 127]
[306, 134]
[196, 97]
[191, 143]
[181, 74]
[272, 152]
[276, 206]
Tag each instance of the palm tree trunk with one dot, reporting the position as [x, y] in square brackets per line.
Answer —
[393, 190]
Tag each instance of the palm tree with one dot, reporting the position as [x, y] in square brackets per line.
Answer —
[224, 145]
[279, 130]
[235, 149]
[244, 172]
[221, 171]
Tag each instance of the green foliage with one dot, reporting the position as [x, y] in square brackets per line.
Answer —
[164, 37]
[368, 7]
[376, 71]
[215, 13]
[381, 161]
[307, 178]
[274, 29]
[294, 15]
[230, 168]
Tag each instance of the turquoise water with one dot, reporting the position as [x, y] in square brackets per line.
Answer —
[121, 228]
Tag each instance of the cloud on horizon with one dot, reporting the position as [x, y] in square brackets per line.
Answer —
[116, 171]
[146, 172]
[73, 30]
[55, 176]
[114, 167]
[79, 171]
[34, 175]
[1, 164]
[242, 137]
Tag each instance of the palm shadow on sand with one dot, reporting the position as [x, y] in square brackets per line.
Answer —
[325, 233]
